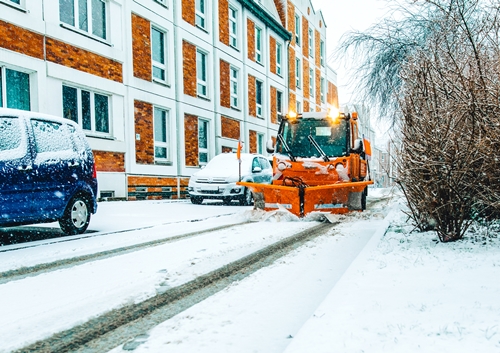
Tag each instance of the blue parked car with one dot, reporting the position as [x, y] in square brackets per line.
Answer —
[47, 172]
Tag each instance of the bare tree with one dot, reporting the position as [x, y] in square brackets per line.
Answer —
[437, 71]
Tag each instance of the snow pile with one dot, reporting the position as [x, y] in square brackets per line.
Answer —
[407, 292]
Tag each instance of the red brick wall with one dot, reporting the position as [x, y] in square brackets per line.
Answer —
[332, 95]
[251, 39]
[291, 69]
[141, 47]
[230, 128]
[226, 149]
[144, 148]
[317, 50]
[30, 43]
[305, 37]
[189, 68]
[191, 140]
[306, 106]
[224, 21]
[281, 7]
[188, 11]
[318, 86]
[225, 84]
[252, 103]
[272, 54]
[291, 20]
[274, 111]
[292, 102]
[82, 60]
[21, 40]
[252, 138]
[154, 186]
[109, 161]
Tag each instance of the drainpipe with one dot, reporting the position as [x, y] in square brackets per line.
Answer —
[178, 117]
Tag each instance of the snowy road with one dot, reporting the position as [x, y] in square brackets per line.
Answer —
[37, 306]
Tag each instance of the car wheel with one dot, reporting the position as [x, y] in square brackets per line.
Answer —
[196, 200]
[76, 217]
[247, 199]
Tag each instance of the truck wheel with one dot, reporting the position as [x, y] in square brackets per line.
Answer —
[76, 217]
[363, 198]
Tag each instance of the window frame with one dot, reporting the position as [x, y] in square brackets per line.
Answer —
[202, 82]
[298, 106]
[311, 82]
[204, 150]
[258, 45]
[311, 42]
[200, 13]
[233, 36]
[279, 103]
[162, 144]
[260, 143]
[92, 108]
[259, 97]
[279, 56]
[297, 29]
[157, 64]
[4, 92]
[234, 78]
[76, 19]
[298, 76]
[322, 89]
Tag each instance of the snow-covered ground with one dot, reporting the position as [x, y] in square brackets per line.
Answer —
[403, 292]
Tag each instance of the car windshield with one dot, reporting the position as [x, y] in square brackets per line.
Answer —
[331, 137]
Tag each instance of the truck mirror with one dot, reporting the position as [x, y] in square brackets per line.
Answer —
[270, 146]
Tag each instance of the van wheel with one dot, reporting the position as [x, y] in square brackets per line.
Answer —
[76, 217]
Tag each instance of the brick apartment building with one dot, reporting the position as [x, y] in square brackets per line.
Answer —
[162, 86]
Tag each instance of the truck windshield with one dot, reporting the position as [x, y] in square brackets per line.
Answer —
[330, 136]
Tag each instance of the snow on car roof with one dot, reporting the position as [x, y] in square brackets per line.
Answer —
[31, 115]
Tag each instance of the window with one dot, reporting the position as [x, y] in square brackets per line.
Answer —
[159, 55]
[86, 15]
[311, 82]
[201, 73]
[233, 27]
[299, 107]
[89, 109]
[234, 87]
[258, 97]
[322, 53]
[279, 103]
[278, 58]
[200, 13]
[297, 29]
[311, 42]
[202, 142]
[322, 88]
[14, 89]
[297, 72]
[161, 134]
[260, 149]
[258, 44]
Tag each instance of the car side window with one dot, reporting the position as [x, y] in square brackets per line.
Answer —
[52, 140]
[264, 163]
[255, 163]
[12, 138]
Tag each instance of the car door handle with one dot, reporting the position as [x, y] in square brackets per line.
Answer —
[24, 168]
[73, 164]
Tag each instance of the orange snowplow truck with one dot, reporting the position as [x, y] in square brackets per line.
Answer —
[319, 165]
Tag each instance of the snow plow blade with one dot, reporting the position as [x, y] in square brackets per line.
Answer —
[301, 201]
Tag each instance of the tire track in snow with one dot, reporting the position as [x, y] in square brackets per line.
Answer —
[35, 270]
[117, 326]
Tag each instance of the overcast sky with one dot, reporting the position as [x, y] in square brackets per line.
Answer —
[342, 16]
